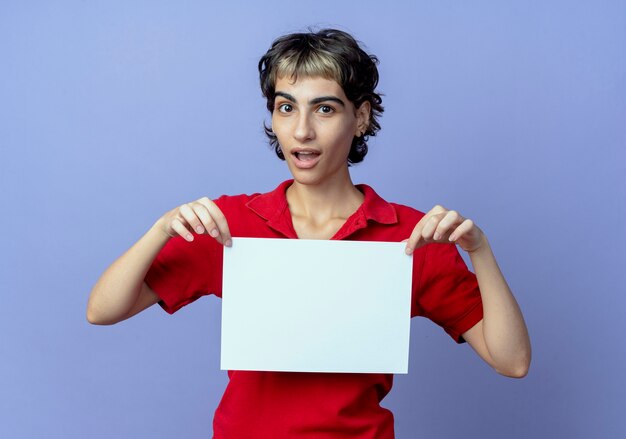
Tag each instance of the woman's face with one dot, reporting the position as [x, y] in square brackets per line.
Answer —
[315, 124]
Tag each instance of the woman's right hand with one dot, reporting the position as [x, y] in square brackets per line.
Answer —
[200, 216]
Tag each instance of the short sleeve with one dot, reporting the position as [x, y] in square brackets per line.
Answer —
[445, 291]
[184, 271]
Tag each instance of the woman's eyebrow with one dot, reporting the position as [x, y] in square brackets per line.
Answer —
[285, 95]
[326, 99]
[313, 101]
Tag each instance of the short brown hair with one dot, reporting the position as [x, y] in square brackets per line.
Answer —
[330, 54]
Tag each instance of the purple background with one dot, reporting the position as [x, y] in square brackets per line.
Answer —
[112, 113]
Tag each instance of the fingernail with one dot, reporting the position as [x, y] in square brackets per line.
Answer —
[199, 229]
[407, 251]
[452, 238]
[228, 243]
[437, 236]
[214, 233]
[189, 237]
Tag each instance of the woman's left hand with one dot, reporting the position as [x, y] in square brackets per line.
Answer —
[441, 225]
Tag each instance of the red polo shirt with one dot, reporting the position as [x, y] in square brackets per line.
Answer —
[314, 405]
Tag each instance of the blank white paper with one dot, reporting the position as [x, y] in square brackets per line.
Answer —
[316, 306]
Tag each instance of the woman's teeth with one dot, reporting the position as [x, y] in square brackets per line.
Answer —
[304, 156]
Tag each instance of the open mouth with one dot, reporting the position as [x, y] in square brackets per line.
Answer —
[306, 156]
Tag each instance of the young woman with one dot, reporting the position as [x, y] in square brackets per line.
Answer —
[320, 90]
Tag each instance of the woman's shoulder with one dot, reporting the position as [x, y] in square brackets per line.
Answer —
[256, 201]
[403, 211]
[407, 210]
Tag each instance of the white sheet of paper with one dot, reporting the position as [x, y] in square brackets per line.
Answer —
[316, 306]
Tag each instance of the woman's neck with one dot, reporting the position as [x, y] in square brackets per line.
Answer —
[322, 203]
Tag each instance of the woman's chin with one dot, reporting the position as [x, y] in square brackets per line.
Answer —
[312, 178]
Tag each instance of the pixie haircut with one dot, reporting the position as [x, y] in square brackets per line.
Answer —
[329, 54]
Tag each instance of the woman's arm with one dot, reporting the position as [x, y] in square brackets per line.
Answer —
[501, 338]
[121, 291]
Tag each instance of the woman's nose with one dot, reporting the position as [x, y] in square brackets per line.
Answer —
[304, 129]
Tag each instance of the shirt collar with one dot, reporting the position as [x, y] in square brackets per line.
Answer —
[272, 206]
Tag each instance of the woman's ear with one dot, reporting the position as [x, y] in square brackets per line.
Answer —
[363, 118]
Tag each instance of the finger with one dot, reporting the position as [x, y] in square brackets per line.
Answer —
[205, 218]
[424, 228]
[418, 236]
[431, 225]
[437, 210]
[220, 221]
[461, 230]
[187, 212]
[178, 227]
[449, 222]
[415, 240]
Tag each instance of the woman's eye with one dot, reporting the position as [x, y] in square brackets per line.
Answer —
[285, 108]
[325, 109]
